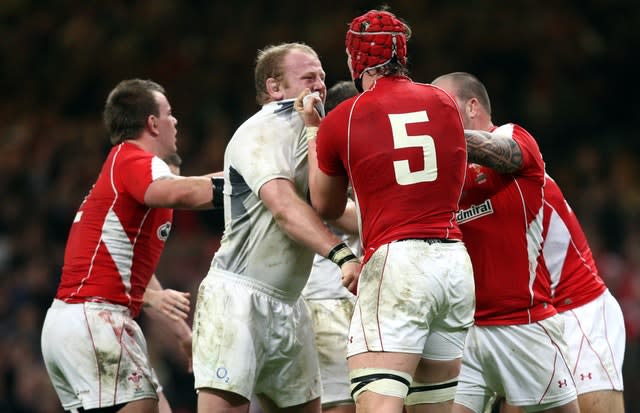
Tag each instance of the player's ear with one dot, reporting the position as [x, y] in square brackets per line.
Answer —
[274, 89]
[472, 107]
[152, 125]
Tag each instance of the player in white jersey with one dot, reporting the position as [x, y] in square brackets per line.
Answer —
[252, 330]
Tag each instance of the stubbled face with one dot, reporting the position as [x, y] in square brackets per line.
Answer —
[166, 124]
[300, 71]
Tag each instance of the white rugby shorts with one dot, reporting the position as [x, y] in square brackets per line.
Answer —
[526, 363]
[330, 326]
[595, 336]
[414, 297]
[96, 355]
[248, 339]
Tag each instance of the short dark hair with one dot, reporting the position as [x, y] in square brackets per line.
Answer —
[342, 90]
[128, 106]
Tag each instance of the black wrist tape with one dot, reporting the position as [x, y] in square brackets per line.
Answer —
[341, 254]
[217, 189]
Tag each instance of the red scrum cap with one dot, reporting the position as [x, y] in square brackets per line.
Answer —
[374, 38]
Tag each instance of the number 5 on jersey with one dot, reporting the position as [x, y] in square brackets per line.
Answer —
[404, 176]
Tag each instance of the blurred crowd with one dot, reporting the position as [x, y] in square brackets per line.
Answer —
[561, 71]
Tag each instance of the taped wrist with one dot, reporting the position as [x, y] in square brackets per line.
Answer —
[341, 254]
[310, 132]
[217, 189]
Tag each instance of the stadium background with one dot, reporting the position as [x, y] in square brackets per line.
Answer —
[565, 70]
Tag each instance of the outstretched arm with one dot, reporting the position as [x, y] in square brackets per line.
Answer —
[497, 152]
[193, 192]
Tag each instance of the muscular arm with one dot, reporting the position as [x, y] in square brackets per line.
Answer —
[296, 218]
[193, 192]
[497, 152]
[302, 224]
[348, 221]
[328, 193]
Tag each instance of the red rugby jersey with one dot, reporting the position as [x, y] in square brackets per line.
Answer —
[566, 256]
[501, 221]
[115, 240]
[402, 146]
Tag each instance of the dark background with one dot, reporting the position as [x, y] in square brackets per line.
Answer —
[565, 70]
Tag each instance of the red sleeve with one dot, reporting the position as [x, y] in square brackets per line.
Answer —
[532, 163]
[331, 143]
[136, 174]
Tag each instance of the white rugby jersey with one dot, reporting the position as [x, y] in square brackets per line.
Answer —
[269, 145]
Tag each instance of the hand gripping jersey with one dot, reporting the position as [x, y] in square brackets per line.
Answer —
[566, 256]
[402, 146]
[115, 240]
[501, 219]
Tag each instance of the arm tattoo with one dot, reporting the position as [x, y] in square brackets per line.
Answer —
[499, 153]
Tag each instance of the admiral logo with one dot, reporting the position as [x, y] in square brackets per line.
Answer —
[474, 211]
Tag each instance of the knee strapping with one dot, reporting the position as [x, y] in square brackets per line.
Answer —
[382, 381]
[422, 393]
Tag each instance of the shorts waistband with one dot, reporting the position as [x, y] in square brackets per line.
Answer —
[431, 240]
[256, 285]
[94, 305]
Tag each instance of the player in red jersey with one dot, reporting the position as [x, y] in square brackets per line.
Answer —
[516, 347]
[93, 349]
[401, 145]
[593, 321]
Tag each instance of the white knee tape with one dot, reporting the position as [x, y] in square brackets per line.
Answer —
[382, 381]
[422, 393]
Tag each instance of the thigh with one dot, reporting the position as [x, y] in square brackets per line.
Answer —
[312, 406]
[603, 401]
